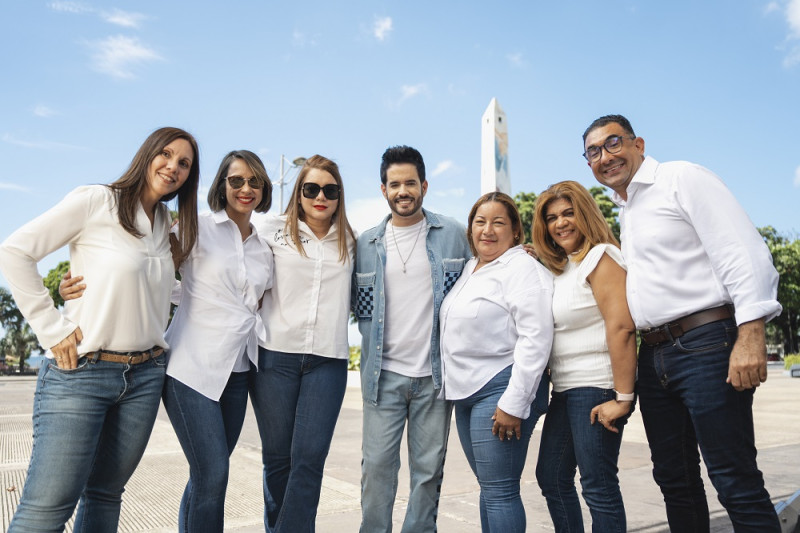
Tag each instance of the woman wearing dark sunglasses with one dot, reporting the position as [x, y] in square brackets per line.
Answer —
[302, 367]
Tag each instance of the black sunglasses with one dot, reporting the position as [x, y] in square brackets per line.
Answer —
[311, 190]
[237, 182]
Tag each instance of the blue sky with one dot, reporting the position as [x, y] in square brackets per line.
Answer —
[83, 83]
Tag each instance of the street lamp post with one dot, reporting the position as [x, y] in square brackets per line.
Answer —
[296, 163]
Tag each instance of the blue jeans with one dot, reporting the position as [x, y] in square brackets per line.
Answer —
[401, 399]
[91, 425]
[569, 442]
[296, 399]
[497, 464]
[685, 402]
[208, 431]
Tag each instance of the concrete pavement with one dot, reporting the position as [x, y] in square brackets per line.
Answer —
[150, 503]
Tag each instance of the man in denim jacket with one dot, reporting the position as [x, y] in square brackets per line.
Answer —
[404, 267]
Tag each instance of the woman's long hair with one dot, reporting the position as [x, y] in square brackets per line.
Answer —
[129, 187]
[588, 220]
[294, 212]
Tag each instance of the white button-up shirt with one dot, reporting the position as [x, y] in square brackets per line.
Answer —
[307, 310]
[217, 323]
[500, 315]
[690, 246]
[128, 280]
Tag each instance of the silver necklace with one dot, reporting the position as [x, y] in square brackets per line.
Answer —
[404, 261]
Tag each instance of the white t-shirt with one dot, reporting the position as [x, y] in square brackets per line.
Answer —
[409, 302]
[216, 328]
[580, 355]
[128, 280]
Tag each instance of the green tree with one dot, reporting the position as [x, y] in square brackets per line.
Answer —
[526, 204]
[607, 207]
[19, 340]
[786, 258]
[53, 279]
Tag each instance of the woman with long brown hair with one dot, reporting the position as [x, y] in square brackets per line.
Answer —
[299, 387]
[97, 395]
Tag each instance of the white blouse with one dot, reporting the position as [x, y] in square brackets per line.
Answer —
[499, 315]
[307, 310]
[217, 325]
[580, 355]
[126, 303]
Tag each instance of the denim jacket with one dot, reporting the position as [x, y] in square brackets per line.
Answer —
[447, 249]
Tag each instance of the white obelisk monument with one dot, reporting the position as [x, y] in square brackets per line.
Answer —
[494, 150]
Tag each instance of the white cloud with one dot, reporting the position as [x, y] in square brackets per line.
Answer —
[70, 7]
[43, 145]
[793, 18]
[13, 187]
[365, 213]
[442, 167]
[797, 177]
[382, 27]
[410, 91]
[116, 55]
[771, 7]
[458, 192]
[792, 57]
[43, 111]
[516, 60]
[122, 18]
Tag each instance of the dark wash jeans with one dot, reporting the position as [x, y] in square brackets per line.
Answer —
[685, 402]
[570, 442]
[296, 400]
[208, 431]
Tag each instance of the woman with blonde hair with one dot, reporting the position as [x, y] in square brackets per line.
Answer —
[299, 387]
[593, 361]
[97, 395]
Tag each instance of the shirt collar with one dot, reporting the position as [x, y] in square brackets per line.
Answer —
[645, 175]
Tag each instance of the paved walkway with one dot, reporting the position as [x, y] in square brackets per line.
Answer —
[151, 500]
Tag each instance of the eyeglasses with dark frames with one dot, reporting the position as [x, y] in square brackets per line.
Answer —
[311, 190]
[237, 182]
[613, 145]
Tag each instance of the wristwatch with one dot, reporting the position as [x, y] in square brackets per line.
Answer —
[620, 397]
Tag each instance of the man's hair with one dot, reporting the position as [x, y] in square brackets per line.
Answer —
[610, 119]
[402, 154]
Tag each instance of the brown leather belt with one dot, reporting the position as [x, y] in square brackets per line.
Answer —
[131, 358]
[673, 330]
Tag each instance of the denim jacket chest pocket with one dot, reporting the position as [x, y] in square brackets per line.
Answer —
[365, 295]
[452, 271]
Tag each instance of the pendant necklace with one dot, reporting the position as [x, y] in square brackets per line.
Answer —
[404, 261]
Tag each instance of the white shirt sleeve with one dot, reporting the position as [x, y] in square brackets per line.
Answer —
[24, 248]
[736, 250]
[530, 303]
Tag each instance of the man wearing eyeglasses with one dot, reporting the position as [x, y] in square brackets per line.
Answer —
[700, 287]
[404, 267]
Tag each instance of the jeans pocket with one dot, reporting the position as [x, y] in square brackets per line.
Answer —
[83, 364]
[707, 338]
[365, 295]
[160, 360]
